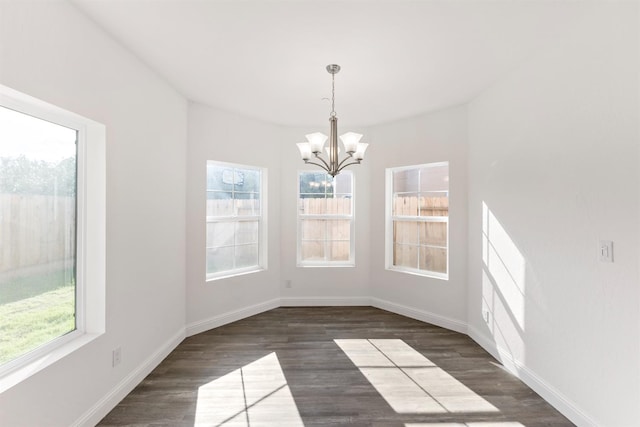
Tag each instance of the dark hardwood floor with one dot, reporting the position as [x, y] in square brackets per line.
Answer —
[331, 366]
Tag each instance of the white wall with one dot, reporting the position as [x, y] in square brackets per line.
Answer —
[51, 51]
[436, 137]
[220, 136]
[552, 152]
[554, 159]
[323, 285]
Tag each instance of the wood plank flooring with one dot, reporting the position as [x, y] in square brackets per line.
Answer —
[331, 366]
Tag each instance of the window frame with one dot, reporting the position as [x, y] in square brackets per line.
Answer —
[390, 219]
[90, 298]
[351, 262]
[261, 219]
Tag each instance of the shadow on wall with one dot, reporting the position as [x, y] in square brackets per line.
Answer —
[503, 286]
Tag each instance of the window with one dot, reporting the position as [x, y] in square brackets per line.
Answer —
[51, 232]
[418, 219]
[236, 234]
[325, 219]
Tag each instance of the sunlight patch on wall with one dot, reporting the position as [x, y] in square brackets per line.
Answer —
[408, 381]
[505, 265]
[256, 394]
[504, 329]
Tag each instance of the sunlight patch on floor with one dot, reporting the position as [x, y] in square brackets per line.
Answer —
[408, 381]
[256, 394]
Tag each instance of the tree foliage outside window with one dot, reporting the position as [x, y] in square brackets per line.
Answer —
[22, 175]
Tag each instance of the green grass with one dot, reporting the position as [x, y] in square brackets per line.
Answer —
[28, 323]
[30, 285]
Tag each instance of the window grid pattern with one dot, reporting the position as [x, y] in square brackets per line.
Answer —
[234, 219]
[325, 219]
[419, 220]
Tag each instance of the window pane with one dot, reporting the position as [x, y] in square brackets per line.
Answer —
[339, 229]
[434, 204]
[405, 181]
[247, 180]
[234, 215]
[246, 255]
[247, 204]
[343, 182]
[324, 238]
[405, 255]
[219, 203]
[219, 178]
[313, 229]
[219, 259]
[315, 183]
[419, 191]
[405, 204]
[247, 232]
[405, 232]
[220, 234]
[433, 259]
[434, 178]
[313, 251]
[339, 251]
[313, 205]
[37, 232]
[340, 205]
[433, 233]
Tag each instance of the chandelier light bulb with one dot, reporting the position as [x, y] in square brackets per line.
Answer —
[350, 141]
[305, 150]
[316, 141]
[359, 154]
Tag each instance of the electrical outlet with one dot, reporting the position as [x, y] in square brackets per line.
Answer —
[486, 316]
[287, 284]
[116, 357]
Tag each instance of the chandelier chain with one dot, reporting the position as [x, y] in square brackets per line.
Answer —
[333, 95]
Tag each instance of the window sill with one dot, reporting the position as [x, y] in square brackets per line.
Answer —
[235, 273]
[325, 265]
[31, 368]
[427, 274]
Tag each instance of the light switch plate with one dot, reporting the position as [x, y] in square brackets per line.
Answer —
[606, 251]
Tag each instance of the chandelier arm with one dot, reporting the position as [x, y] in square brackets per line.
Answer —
[318, 164]
[357, 162]
[326, 166]
[349, 157]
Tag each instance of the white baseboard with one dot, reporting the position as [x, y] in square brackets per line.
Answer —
[93, 416]
[550, 394]
[556, 399]
[424, 316]
[232, 316]
[324, 301]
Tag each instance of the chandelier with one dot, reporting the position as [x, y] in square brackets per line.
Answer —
[350, 140]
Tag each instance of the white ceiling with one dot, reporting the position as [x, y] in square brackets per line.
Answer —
[266, 59]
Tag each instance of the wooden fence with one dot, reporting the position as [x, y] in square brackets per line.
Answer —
[419, 244]
[36, 230]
